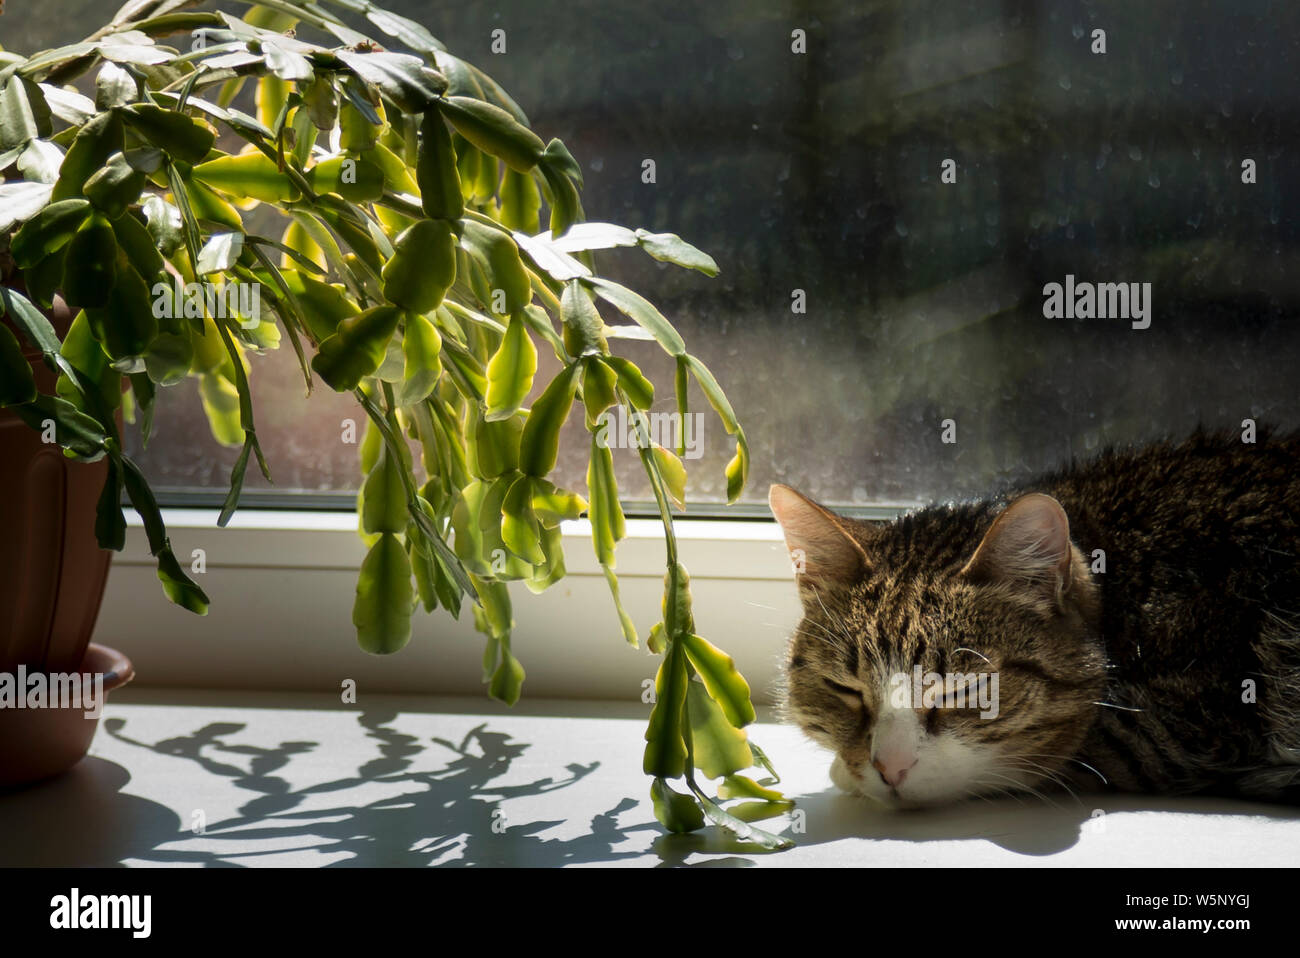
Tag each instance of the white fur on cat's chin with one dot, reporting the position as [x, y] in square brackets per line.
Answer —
[946, 770]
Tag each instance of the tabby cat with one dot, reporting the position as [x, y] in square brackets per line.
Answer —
[1137, 616]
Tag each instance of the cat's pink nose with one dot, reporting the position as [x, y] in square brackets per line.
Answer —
[893, 765]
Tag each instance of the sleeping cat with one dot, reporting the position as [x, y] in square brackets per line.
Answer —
[1136, 618]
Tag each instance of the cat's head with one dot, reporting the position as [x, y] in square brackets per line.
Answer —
[947, 654]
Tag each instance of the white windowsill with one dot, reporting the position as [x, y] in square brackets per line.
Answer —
[304, 781]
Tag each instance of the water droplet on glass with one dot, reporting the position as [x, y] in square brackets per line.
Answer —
[1064, 82]
[1154, 181]
[900, 228]
[1135, 153]
[1077, 30]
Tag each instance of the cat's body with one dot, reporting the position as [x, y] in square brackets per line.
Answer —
[1174, 670]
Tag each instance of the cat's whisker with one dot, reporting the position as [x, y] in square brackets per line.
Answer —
[1001, 790]
[973, 652]
[824, 630]
[1028, 788]
[1023, 766]
[1042, 771]
[1068, 758]
[827, 635]
[830, 618]
[818, 596]
[974, 792]
[1122, 708]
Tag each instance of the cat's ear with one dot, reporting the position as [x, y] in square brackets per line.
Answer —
[1029, 544]
[821, 547]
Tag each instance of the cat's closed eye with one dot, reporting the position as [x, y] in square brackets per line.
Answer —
[850, 695]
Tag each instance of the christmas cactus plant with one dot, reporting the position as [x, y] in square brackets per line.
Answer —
[427, 244]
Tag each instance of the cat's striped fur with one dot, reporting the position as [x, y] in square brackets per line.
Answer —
[1176, 670]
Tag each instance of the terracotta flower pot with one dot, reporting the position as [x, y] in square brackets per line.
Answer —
[52, 571]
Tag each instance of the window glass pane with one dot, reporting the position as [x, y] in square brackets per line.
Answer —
[817, 179]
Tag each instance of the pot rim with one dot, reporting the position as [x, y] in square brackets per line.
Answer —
[115, 667]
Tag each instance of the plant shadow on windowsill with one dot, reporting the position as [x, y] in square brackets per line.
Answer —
[447, 815]
[452, 814]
